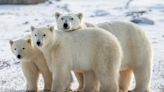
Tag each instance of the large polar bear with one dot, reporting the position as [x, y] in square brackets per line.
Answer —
[71, 22]
[136, 46]
[33, 63]
[93, 50]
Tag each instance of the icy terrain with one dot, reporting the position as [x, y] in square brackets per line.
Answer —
[15, 22]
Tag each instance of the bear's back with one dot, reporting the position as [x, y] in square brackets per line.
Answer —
[87, 44]
[87, 37]
[132, 39]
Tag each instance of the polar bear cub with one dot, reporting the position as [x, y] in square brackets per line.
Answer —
[93, 50]
[32, 62]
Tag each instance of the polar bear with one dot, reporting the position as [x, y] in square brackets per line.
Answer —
[70, 22]
[32, 62]
[93, 50]
[137, 54]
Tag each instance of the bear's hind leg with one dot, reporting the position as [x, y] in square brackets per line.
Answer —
[142, 76]
[80, 79]
[124, 80]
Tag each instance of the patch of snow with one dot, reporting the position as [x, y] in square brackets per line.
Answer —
[100, 13]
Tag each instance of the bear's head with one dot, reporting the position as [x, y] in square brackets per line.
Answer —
[41, 36]
[21, 48]
[68, 22]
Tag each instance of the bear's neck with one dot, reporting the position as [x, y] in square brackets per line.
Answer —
[53, 43]
[32, 55]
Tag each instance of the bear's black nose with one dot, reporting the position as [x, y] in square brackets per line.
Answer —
[65, 25]
[38, 43]
[19, 56]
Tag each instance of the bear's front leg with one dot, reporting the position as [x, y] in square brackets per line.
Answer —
[47, 76]
[61, 79]
[31, 74]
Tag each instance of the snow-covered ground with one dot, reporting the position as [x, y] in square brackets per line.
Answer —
[15, 22]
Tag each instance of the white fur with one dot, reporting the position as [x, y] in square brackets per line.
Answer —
[93, 50]
[137, 53]
[33, 63]
[72, 20]
[74, 24]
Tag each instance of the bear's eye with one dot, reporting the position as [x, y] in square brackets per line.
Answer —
[71, 18]
[15, 49]
[35, 35]
[44, 35]
[23, 48]
[62, 18]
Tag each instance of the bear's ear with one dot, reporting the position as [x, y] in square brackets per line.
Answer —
[32, 28]
[11, 42]
[51, 28]
[28, 40]
[80, 16]
[57, 14]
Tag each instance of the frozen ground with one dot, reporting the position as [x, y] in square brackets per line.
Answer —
[15, 21]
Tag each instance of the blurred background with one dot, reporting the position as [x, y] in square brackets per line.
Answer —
[16, 17]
